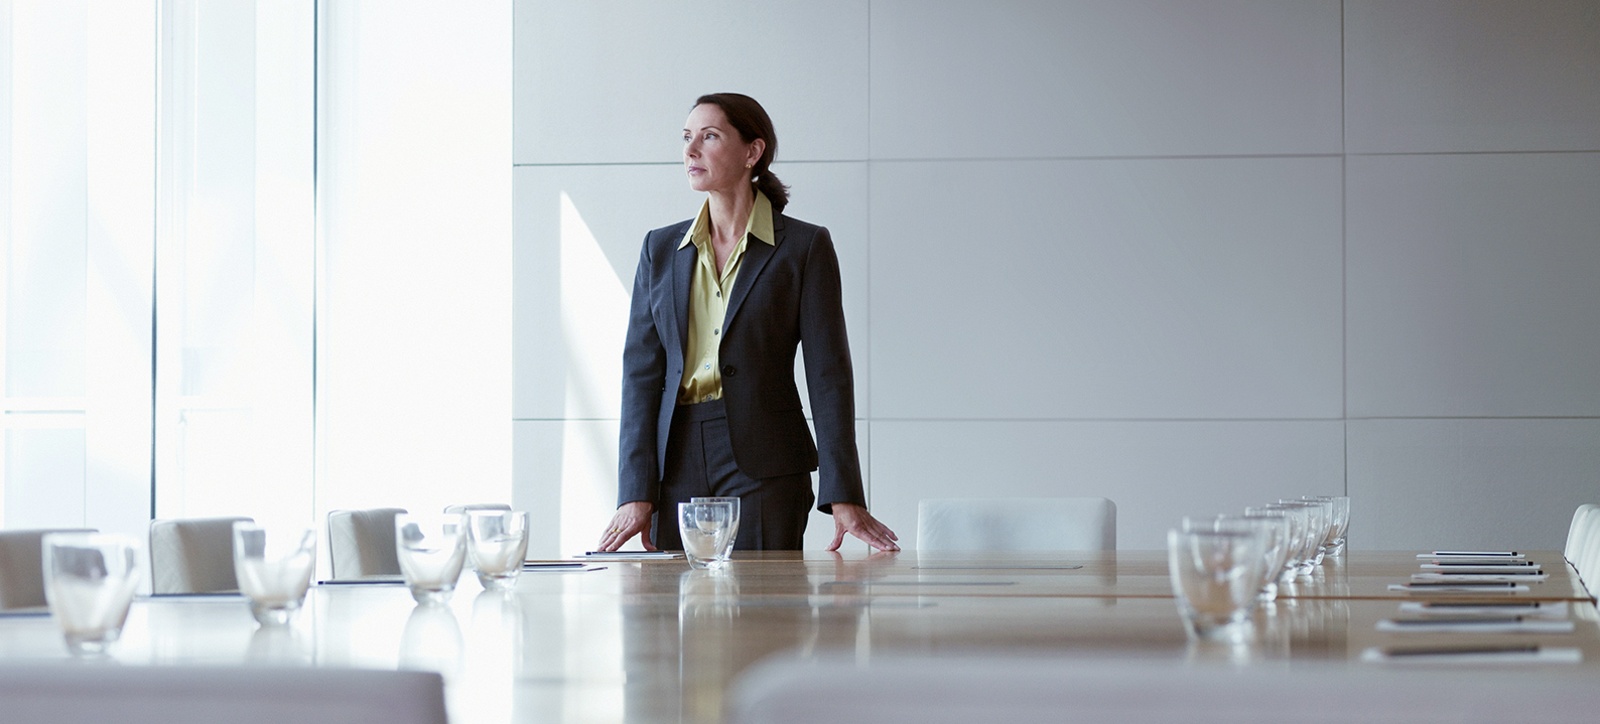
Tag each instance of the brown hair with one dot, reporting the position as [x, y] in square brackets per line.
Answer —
[752, 122]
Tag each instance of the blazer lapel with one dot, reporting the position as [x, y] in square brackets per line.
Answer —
[756, 255]
[682, 278]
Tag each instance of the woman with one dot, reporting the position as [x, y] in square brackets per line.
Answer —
[709, 402]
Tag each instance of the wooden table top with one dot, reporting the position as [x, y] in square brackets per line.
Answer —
[655, 641]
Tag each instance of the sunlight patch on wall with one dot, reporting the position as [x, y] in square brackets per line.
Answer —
[594, 318]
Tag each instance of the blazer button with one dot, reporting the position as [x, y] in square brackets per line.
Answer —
[729, 370]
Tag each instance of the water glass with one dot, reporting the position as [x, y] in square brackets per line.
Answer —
[89, 581]
[1341, 521]
[1294, 541]
[274, 568]
[1274, 531]
[1307, 536]
[1325, 526]
[707, 530]
[497, 540]
[733, 537]
[1215, 578]
[431, 549]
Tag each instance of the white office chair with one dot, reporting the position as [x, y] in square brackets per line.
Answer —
[22, 567]
[1017, 524]
[1584, 530]
[959, 690]
[361, 542]
[58, 694]
[1588, 560]
[469, 507]
[192, 555]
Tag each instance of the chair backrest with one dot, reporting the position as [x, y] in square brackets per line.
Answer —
[361, 542]
[1587, 561]
[57, 694]
[469, 507]
[22, 567]
[192, 555]
[1017, 524]
[1579, 531]
[960, 690]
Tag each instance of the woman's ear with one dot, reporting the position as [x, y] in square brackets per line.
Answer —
[757, 148]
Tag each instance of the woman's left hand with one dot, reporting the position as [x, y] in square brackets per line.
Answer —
[855, 520]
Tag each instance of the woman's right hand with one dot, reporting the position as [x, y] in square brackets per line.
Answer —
[630, 519]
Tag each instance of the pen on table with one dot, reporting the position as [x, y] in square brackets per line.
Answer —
[1483, 604]
[1484, 554]
[1460, 650]
[1461, 584]
[1489, 564]
[1487, 620]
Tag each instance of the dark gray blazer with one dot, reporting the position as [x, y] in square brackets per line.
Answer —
[786, 295]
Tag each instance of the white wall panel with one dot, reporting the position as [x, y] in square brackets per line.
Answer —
[1481, 484]
[1156, 472]
[1106, 289]
[612, 81]
[1472, 285]
[574, 270]
[961, 79]
[1472, 75]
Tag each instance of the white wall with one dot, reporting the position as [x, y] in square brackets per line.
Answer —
[1186, 255]
[414, 326]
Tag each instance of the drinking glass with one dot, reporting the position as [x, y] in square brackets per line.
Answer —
[274, 568]
[733, 535]
[498, 543]
[1274, 532]
[1325, 531]
[1294, 543]
[1215, 578]
[1341, 521]
[431, 549]
[89, 581]
[1308, 538]
[707, 530]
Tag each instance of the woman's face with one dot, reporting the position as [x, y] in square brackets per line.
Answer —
[714, 156]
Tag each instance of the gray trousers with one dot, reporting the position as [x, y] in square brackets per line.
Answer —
[772, 511]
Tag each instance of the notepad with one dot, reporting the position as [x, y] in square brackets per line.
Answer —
[1453, 587]
[1487, 624]
[1507, 567]
[368, 581]
[1541, 609]
[633, 555]
[1529, 576]
[1515, 653]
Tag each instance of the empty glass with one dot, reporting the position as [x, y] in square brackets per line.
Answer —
[1274, 532]
[733, 536]
[1294, 543]
[89, 581]
[431, 549]
[274, 568]
[497, 540]
[707, 530]
[1308, 537]
[1341, 521]
[1324, 526]
[1216, 576]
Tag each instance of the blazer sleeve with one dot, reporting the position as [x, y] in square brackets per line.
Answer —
[644, 363]
[829, 377]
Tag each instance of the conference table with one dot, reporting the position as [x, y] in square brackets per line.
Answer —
[656, 641]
